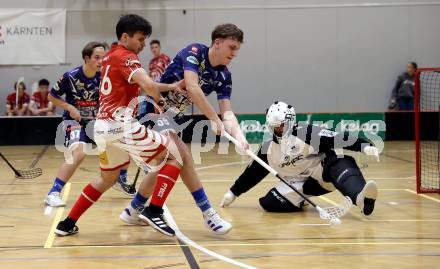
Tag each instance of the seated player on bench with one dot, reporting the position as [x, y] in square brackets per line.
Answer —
[304, 155]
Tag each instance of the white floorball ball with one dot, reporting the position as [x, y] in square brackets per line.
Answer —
[335, 221]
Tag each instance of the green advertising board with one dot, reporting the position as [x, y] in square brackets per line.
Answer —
[367, 125]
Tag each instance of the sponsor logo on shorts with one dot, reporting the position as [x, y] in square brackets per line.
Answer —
[116, 130]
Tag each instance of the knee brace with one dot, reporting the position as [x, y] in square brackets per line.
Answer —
[345, 175]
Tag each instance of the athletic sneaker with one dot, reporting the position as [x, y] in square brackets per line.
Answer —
[214, 222]
[53, 199]
[131, 216]
[367, 197]
[125, 188]
[65, 229]
[156, 221]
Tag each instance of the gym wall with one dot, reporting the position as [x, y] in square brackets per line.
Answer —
[321, 56]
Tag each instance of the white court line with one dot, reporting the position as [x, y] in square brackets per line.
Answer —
[189, 242]
[398, 150]
[314, 224]
[57, 218]
[48, 210]
[232, 180]
[423, 195]
[219, 165]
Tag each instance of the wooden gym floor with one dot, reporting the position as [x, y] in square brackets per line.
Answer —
[403, 232]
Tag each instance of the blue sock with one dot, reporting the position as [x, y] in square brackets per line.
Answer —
[138, 201]
[123, 176]
[58, 185]
[201, 199]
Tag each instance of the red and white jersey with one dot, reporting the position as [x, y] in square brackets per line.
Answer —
[11, 99]
[157, 66]
[116, 90]
[40, 99]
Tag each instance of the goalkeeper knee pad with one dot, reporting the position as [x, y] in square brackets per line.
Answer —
[345, 175]
[275, 202]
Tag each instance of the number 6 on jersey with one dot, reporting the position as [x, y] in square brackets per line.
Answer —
[106, 85]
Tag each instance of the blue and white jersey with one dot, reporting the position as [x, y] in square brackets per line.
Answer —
[81, 92]
[195, 58]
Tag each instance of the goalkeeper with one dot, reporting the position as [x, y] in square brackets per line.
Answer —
[305, 156]
[204, 71]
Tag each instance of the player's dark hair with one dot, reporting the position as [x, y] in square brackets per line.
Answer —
[227, 30]
[106, 45]
[155, 41]
[21, 83]
[414, 64]
[132, 23]
[43, 82]
[89, 47]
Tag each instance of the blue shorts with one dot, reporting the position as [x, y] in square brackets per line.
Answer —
[76, 133]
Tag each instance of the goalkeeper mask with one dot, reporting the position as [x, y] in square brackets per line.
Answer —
[280, 120]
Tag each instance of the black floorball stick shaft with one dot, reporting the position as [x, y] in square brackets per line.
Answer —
[10, 165]
[136, 177]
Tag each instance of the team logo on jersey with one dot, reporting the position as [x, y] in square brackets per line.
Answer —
[131, 62]
[79, 86]
[288, 161]
[192, 60]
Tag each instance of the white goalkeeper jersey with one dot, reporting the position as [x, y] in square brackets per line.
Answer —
[300, 155]
[297, 158]
[297, 164]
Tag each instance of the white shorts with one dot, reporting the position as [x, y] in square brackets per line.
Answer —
[118, 141]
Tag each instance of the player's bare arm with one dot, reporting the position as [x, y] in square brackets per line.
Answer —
[146, 84]
[22, 109]
[49, 108]
[74, 113]
[150, 87]
[178, 86]
[33, 108]
[198, 97]
[9, 110]
[231, 123]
